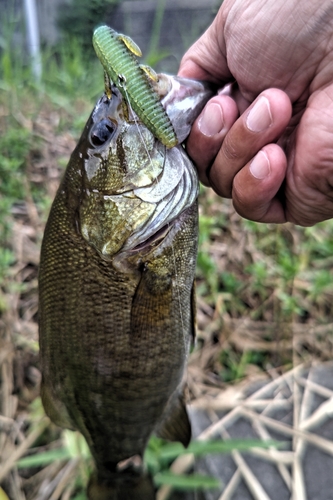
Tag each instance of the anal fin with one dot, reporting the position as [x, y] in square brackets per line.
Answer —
[175, 424]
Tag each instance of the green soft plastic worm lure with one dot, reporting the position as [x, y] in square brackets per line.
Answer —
[118, 55]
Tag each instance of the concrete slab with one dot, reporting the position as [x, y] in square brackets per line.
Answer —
[297, 409]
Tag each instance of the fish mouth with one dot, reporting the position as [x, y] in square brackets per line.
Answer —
[183, 101]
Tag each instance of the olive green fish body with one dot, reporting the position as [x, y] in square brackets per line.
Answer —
[122, 67]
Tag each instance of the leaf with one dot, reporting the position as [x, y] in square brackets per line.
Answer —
[41, 459]
[218, 446]
[75, 444]
[3, 495]
[186, 482]
[171, 451]
[151, 460]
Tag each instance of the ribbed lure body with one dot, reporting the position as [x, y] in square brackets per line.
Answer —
[117, 54]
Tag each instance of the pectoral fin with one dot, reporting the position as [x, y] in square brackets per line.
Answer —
[175, 424]
[55, 408]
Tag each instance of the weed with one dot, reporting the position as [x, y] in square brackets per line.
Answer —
[235, 364]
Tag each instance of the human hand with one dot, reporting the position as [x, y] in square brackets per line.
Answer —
[276, 160]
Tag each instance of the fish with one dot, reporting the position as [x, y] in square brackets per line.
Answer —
[116, 288]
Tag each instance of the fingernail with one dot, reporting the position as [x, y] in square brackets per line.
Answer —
[211, 122]
[260, 167]
[260, 117]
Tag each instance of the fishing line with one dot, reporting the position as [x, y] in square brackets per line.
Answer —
[122, 83]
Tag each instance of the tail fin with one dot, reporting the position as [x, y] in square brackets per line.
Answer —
[122, 487]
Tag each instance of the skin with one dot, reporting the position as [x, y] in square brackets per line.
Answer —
[279, 57]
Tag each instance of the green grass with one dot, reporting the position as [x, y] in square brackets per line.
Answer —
[289, 262]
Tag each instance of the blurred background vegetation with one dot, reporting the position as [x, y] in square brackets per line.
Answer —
[264, 292]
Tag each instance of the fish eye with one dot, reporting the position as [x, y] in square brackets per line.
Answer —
[102, 132]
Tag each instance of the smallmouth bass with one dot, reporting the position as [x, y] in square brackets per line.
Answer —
[116, 288]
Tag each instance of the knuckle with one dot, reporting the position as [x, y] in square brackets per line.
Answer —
[240, 201]
[222, 189]
[247, 205]
[230, 149]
